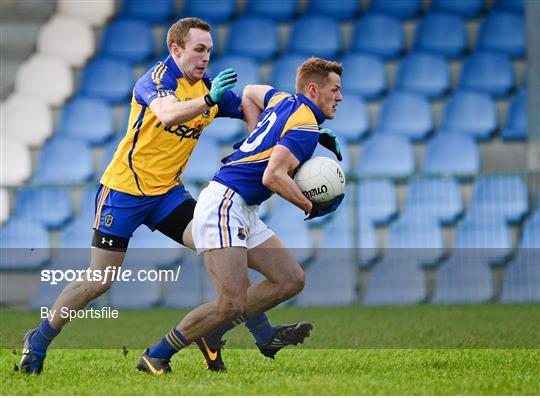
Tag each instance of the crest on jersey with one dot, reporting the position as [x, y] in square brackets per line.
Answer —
[241, 233]
[108, 220]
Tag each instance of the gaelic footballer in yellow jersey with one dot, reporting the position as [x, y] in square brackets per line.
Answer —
[150, 159]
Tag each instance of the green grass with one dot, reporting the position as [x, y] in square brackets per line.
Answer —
[427, 350]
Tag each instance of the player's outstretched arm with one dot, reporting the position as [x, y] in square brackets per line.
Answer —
[253, 103]
[277, 177]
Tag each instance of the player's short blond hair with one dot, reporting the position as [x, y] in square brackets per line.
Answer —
[315, 70]
[178, 31]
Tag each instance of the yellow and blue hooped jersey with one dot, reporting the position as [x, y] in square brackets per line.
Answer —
[289, 120]
[151, 158]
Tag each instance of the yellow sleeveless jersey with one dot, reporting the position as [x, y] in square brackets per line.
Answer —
[151, 158]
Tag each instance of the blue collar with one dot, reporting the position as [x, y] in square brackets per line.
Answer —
[319, 116]
[171, 65]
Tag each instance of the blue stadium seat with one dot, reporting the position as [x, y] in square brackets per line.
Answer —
[378, 34]
[504, 32]
[225, 130]
[108, 79]
[341, 10]
[424, 73]
[283, 73]
[488, 72]
[405, 113]
[247, 70]
[128, 39]
[48, 206]
[351, 121]
[212, 11]
[451, 154]
[368, 249]
[503, 197]
[204, 162]
[78, 233]
[281, 11]
[108, 154]
[516, 119]
[465, 8]
[64, 161]
[254, 37]
[136, 294]
[510, 5]
[398, 8]
[87, 203]
[314, 35]
[521, 282]
[88, 119]
[386, 155]
[439, 198]
[470, 113]
[287, 221]
[152, 249]
[441, 33]
[25, 245]
[377, 202]
[373, 82]
[152, 11]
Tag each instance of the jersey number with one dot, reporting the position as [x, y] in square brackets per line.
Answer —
[258, 134]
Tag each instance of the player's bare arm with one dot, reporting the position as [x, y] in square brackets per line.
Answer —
[253, 103]
[171, 112]
[277, 177]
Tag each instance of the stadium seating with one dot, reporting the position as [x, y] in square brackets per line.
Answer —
[510, 5]
[135, 294]
[15, 162]
[386, 155]
[253, 37]
[67, 38]
[377, 202]
[61, 152]
[277, 10]
[87, 119]
[4, 205]
[522, 277]
[407, 114]
[439, 198]
[378, 34]
[373, 82]
[225, 130]
[94, 13]
[488, 72]
[314, 35]
[283, 72]
[351, 121]
[128, 39]
[151, 11]
[470, 113]
[451, 154]
[108, 79]
[78, 233]
[504, 32]
[247, 70]
[50, 206]
[516, 119]
[210, 10]
[398, 8]
[341, 10]
[152, 249]
[465, 8]
[441, 33]
[503, 197]
[424, 73]
[46, 78]
[16, 123]
[25, 245]
[205, 161]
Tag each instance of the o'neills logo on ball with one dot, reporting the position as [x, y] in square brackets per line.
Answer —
[316, 191]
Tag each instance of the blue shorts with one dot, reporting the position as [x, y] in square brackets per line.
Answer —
[120, 214]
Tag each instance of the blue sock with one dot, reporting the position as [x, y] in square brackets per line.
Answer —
[43, 336]
[169, 345]
[260, 328]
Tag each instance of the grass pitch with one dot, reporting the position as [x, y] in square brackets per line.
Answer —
[489, 349]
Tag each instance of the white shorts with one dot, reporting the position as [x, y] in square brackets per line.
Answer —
[222, 219]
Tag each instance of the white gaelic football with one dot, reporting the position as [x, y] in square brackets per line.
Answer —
[320, 179]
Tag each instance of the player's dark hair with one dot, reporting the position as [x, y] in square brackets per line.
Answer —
[315, 70]
[178, 31]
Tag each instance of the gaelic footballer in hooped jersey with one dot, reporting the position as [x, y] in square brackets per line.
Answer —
[151, 157]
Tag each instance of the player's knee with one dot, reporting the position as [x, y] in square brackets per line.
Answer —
[231, 307]
[294, 284]
[96, 289]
